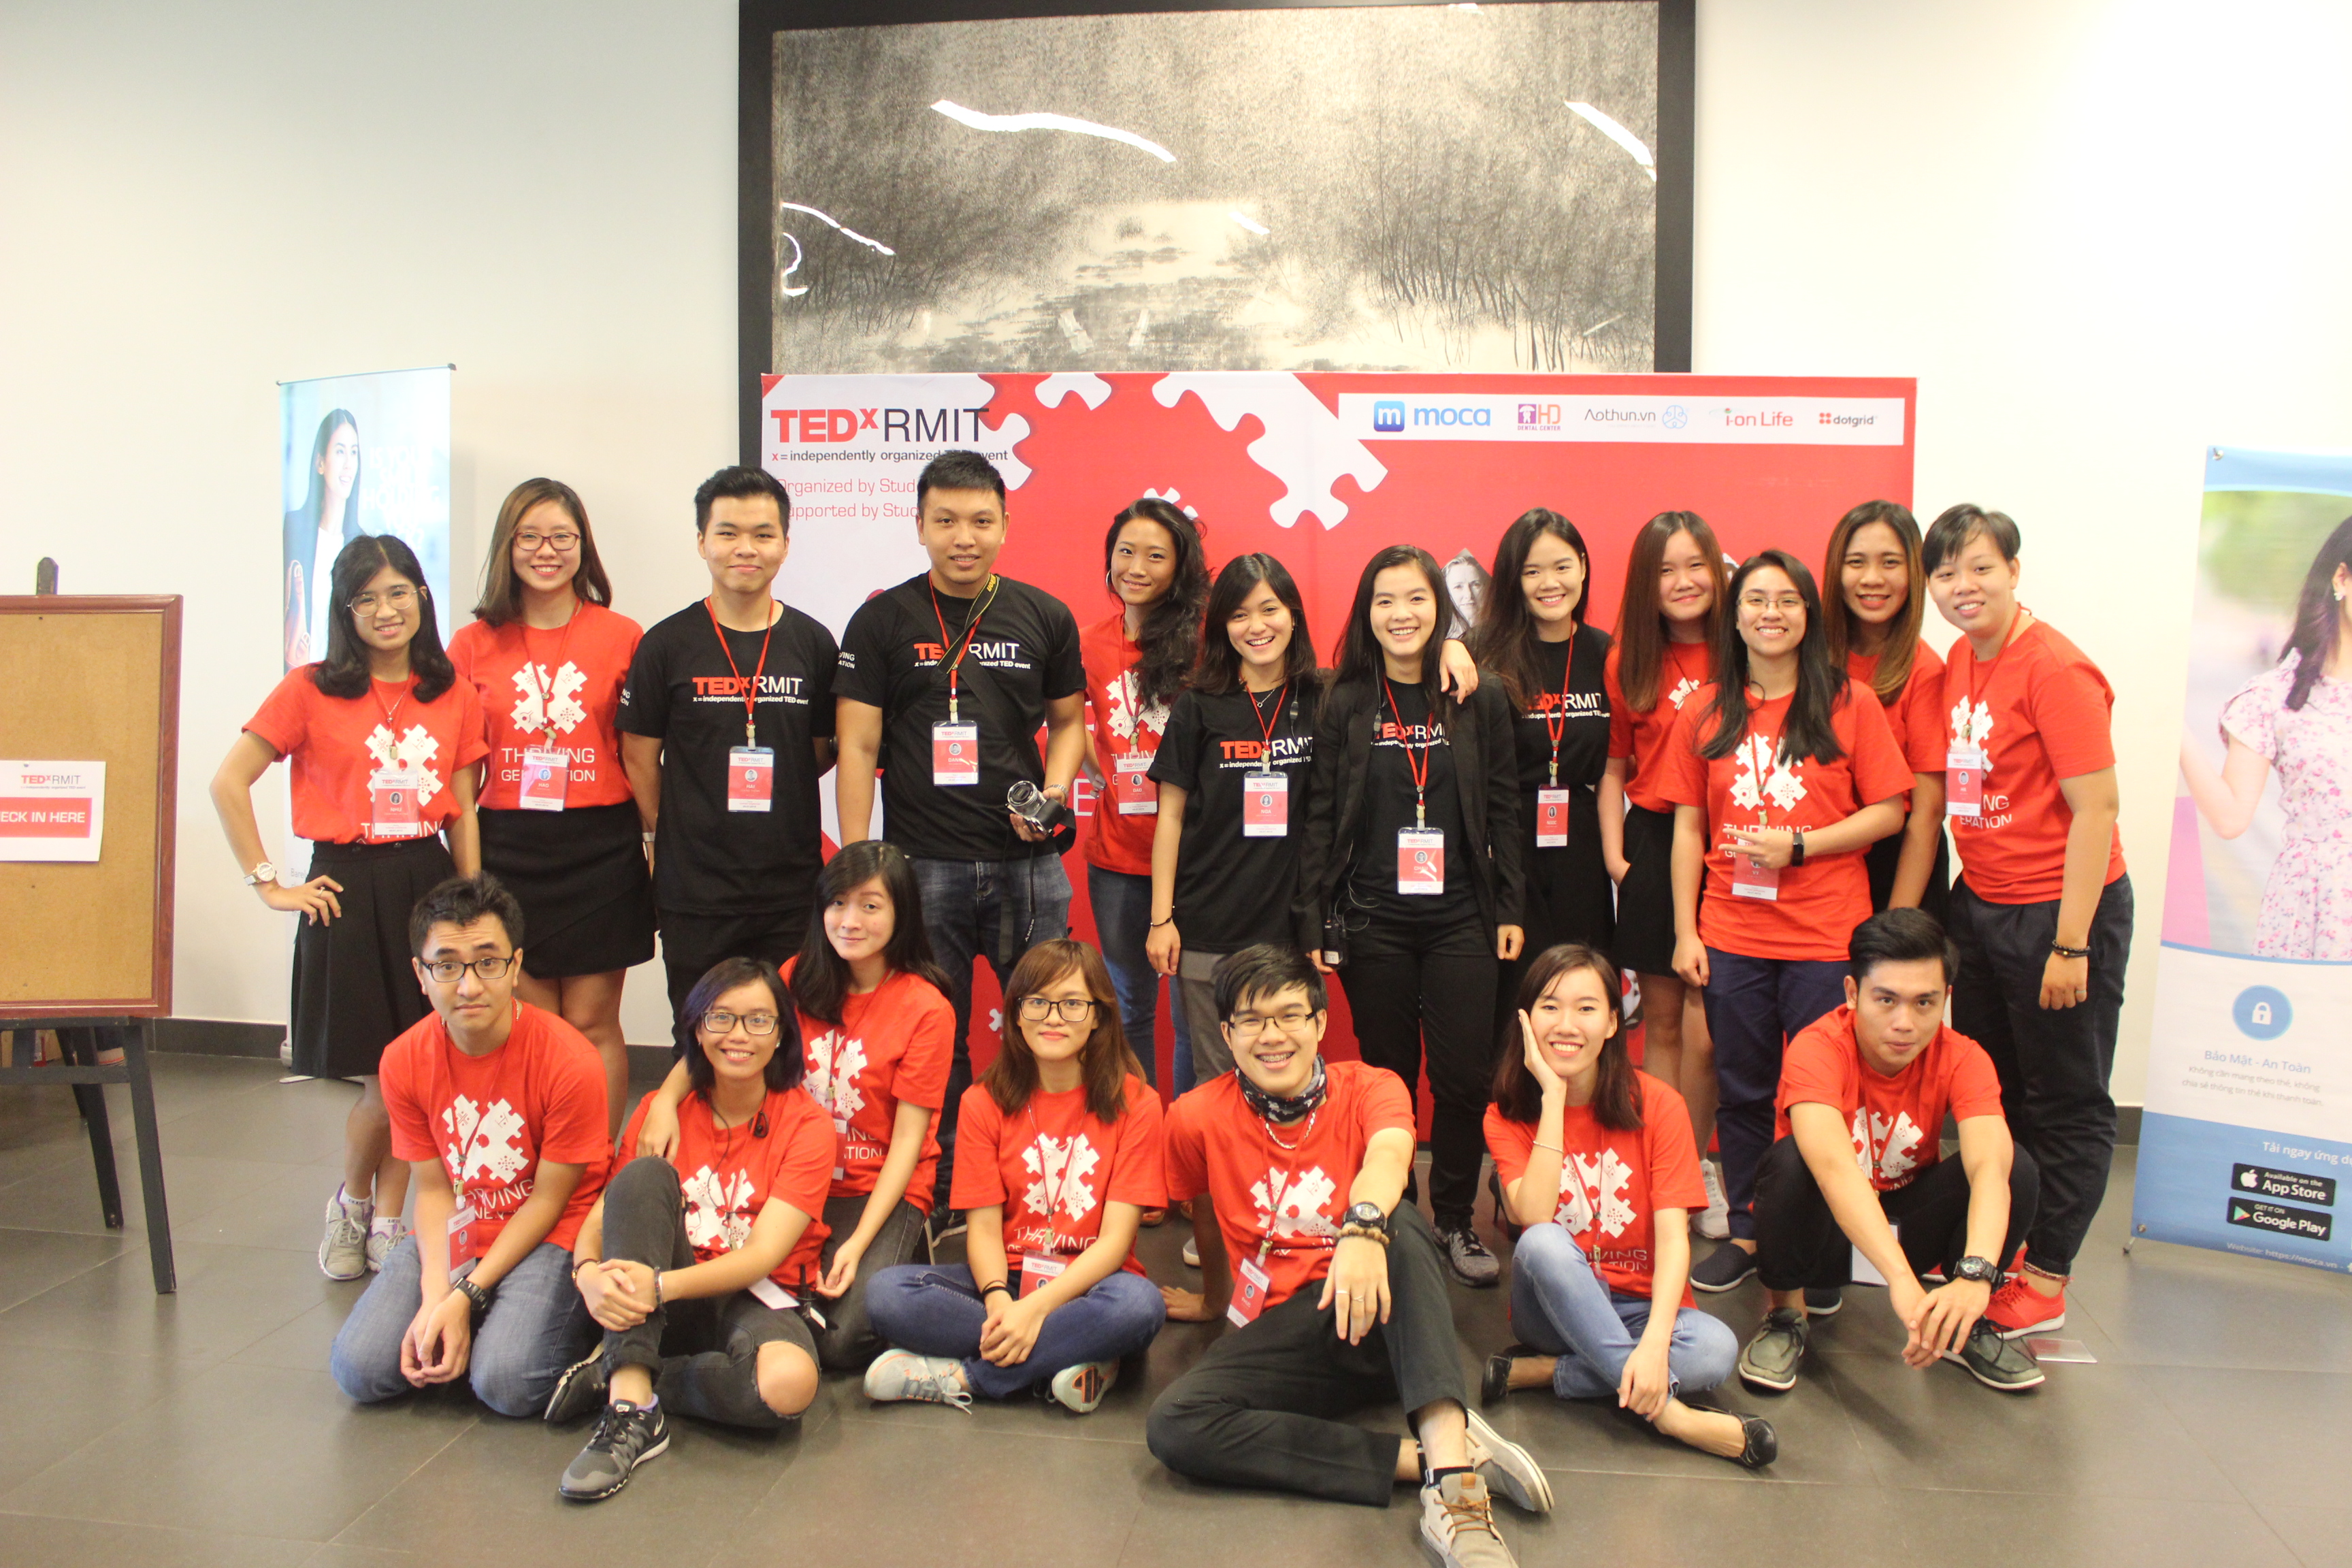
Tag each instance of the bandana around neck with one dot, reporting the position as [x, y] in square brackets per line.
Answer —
[1275, 1107]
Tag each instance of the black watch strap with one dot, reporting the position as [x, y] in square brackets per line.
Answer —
[1983, 1271]
[1368, 1215]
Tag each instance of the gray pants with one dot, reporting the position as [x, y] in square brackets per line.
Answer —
[1210, 1055]
[847, 1341]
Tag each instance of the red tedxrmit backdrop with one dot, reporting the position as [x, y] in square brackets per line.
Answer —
[1320, 470]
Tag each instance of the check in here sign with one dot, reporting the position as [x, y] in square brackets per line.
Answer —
[51, 811]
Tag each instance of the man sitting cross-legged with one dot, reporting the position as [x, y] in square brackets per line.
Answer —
[1295, 1169]
[1857, 1165]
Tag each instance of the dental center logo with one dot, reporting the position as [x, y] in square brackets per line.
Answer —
[718, 1210]
[1591, 1189]
[1762, 776]
[484, 1150]
[1300, 1211]
[561, 710]
[835, 1064]
[1060, 1166]
[411, 752]
[1893, 1141]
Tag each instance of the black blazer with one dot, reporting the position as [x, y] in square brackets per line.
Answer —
[1486, 774]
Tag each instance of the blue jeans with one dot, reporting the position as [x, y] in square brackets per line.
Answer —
[1754, 1007]
[933, 1309]
[537, 1326]
[996, 910]
[1561, 1307]
[1122, 904]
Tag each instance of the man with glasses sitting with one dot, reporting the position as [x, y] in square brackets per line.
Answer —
[499, 1108]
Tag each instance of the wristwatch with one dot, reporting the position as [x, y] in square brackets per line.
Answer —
[1796, 847]
[1366, 1217]
[264, 872]
[1983, 1271]
[476, 1294]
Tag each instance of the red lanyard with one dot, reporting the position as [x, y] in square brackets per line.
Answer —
[1983, 666]
[750, 692]
[1289, 1174]
[1556, 722]
[1054, 1191]
[1266, 720]
[1417, 766]
[1134, 686]
[540, 683]
[970, 630]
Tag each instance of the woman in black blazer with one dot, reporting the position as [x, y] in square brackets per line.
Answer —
[1410, 872]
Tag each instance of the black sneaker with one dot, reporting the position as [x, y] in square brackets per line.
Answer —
[1824, 1302]
[1722, 1269]
[1468, 1258]
[579, 1390]
[625, 1437]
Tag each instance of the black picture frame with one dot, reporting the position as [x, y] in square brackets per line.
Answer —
[762, 20]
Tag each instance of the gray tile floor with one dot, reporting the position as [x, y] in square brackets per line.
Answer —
[202, 1429]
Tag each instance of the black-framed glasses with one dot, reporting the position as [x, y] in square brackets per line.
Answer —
[1073, 1009]
[563, 543]
[718, 1021]
[1250, 1026]
[397, 598]
[447, 970]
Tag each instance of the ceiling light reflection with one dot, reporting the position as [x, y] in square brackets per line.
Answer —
[980, 122]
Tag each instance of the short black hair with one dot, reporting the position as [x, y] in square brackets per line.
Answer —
[738, 482]
[1950, 533]
[1262, 971]
[461, 901]
[1900, 936]
[958, 471]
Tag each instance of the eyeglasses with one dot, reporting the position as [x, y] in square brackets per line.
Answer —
[398, 598]
[720, 1022]
[447, 970]
[1787, 603]
[1250, 1026]
[1073, 1009]
[564, 543]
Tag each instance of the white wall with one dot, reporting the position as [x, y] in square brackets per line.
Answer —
[2101, 234]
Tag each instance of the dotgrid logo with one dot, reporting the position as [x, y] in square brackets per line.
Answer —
[2261, 1012]
[1675, 416]
[1388, 415]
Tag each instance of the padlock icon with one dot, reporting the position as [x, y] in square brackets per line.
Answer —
[2262, 1013]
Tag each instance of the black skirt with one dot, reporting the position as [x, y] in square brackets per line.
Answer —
[1568, 898]
[580, 876]
[353, 989]
[1880, 859]
[1645, 899]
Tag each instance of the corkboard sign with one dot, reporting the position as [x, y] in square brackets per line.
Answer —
[95, 679]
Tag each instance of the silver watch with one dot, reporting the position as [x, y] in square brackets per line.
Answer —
[265, 872]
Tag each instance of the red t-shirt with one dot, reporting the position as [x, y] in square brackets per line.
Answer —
[1823, 900]
[893, 1044]
[567, 698]
[2042, 712]
[728, 1175]
[1915, 714]
[333, 743]
[1896, 1123]
[490, 1120]
[1288, 1197]
[1612, 1182]
[1052, 1166]
[1122, 841]
[1687, 667]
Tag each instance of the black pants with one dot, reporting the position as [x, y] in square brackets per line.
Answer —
[1417, 993]
[704, 1353]
[2054, 1062]
[1799, 1243]
[691, 943]
[1880, 858]
[1263, 1407]
[847, 1342]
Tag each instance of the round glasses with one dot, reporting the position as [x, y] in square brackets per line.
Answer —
[1073, 1009]
[720, 1022]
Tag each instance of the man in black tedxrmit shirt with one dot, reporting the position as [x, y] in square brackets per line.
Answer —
[944, 682]
[725, 780]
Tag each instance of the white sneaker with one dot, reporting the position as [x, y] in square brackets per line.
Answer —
[902, 1374]
[1457, 1524]
[1506, 1468]
[1715, 1223]
[1082, 1387]
[384, 1234]
[343, 1255]
[1191, 1254]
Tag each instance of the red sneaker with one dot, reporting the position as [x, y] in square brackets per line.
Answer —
[2017, 1310]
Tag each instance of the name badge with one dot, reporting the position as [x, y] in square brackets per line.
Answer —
[395, 804]
[1750, 878]
[1552, 819]
[955, 754]
[750, 777]
[1964, 781]
[1039, 1269]
[545, 776]
[1420, 860]
[1251, 1283]
[1131, 785]
[461, 1243]
[840, 1137]
[1266, 806]
[771, 1294]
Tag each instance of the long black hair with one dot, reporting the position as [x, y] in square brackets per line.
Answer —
[1902, 640]
[2316, 613]
[1821, 686]
[345, 672]
[821, 980]
[314, 501]
[1104, 1062]
[784, 1068]
[1505, 637]
[1616, 1095]
[1360, 652]
[1171, 622]
[1220, 668]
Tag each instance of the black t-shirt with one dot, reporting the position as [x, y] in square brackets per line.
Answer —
[1234, 890]
[1023, 655]
[1583, 719]
[682, 690]
[1389, 806]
